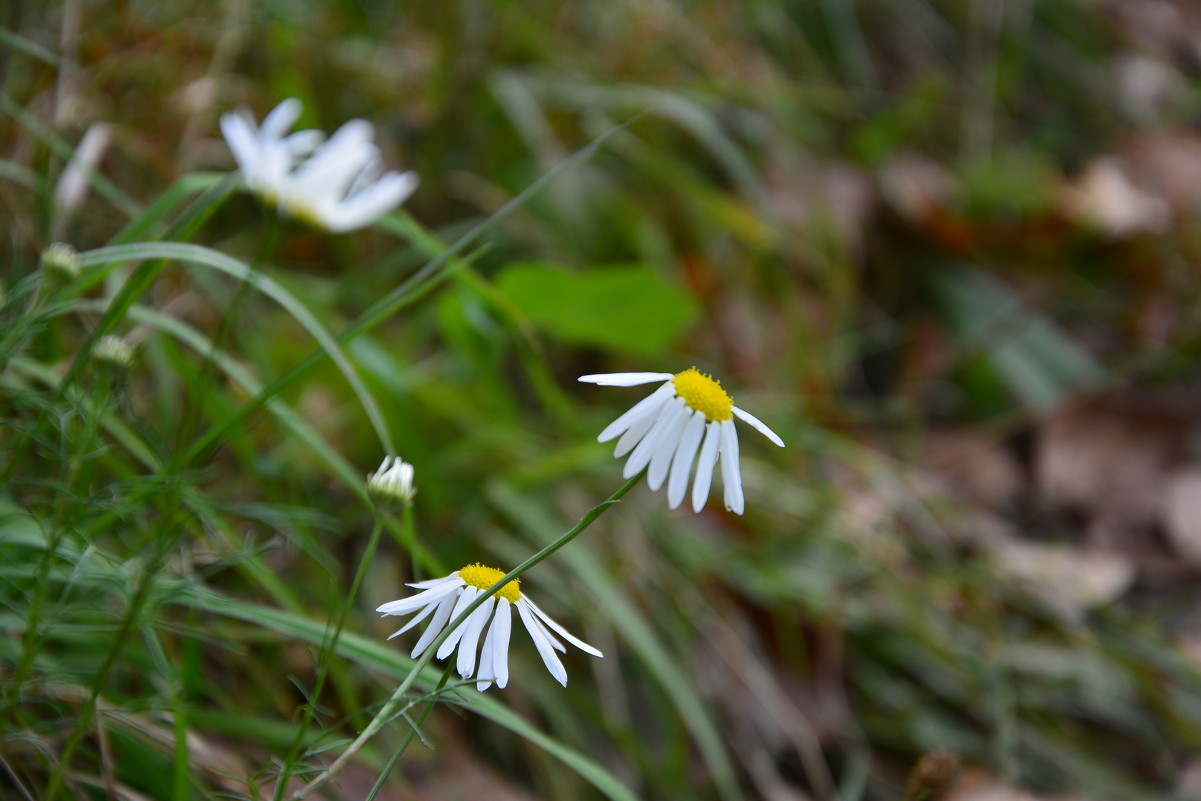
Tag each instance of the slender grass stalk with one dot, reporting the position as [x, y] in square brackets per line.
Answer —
[327, 653]
[72, 468]
[409, 535]
[138, 283]
[141, 595]
[386, 711]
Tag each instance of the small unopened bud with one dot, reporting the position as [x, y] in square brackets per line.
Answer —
[60, 262]
[393, 482]
[113, 351]
[932, 773]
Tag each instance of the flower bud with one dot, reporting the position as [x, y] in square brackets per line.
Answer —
[60, 262]
[393, 482]
[113, 351]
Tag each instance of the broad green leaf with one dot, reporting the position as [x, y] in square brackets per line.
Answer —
[627, 307]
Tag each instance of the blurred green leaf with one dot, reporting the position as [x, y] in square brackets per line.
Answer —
[1037, 361]
[627, 308]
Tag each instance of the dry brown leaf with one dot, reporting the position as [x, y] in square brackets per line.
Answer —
[1106, 198]
[1111, 458]
[915, 186]
[1182, 514]
[1167, 165]
[1070, 579]
[974, 466]
[977, 785]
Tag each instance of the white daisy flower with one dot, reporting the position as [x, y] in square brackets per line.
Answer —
[333, 184]
[665, 431]
[393, 481]
[447, 597]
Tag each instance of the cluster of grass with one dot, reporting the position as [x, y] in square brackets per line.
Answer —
[604, 187]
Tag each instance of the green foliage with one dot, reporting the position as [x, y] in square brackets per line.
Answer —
[852, 213]
[624, 308]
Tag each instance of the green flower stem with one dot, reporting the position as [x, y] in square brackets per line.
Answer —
[410, 538]
[397, 698]
[326, 655]
[413, 729]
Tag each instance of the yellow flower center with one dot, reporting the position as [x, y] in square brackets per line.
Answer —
[484, 577]
[703, 393]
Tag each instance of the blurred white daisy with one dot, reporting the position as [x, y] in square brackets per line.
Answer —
[334, 184]
[665, 431]
[447, 597]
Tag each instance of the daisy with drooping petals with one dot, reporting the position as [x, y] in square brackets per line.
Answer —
[665, 432]
[333, 184]
[447, 597]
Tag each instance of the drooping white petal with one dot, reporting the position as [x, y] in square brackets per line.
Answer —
[681, 462]
[471, 637]
[704, 466]
[417, 618]
[496, 646]
[564, 633]
[669, 442]
[453, 578]
[639, 427]
[439, 621]
[372, 202]
[623, 379]
[406, 605]
[642, 454]
[648, 406]
[730, 471]
[545, 649]
[448, 645]
[758, 425]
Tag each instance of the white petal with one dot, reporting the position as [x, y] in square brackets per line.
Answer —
[441, 617]
[301, 143]
[665, 448]
[624, 379]
[758, 425]
[496, 646]
[638, 429]
[322, 181]
[647, 406]
[731, 475]
[280, 120]
[471, 638]
[642, 454]
[545, 650]
[448, 645]
[372, 202]
[704, 467]
[681, 463]
[239, 135]
[548, 620]
[420, 616]
[453, 578]
[405, 605]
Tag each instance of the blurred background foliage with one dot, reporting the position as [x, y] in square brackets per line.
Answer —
[946, 249]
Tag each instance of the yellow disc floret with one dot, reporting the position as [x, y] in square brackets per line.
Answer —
[703, 393]
[484, 577]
